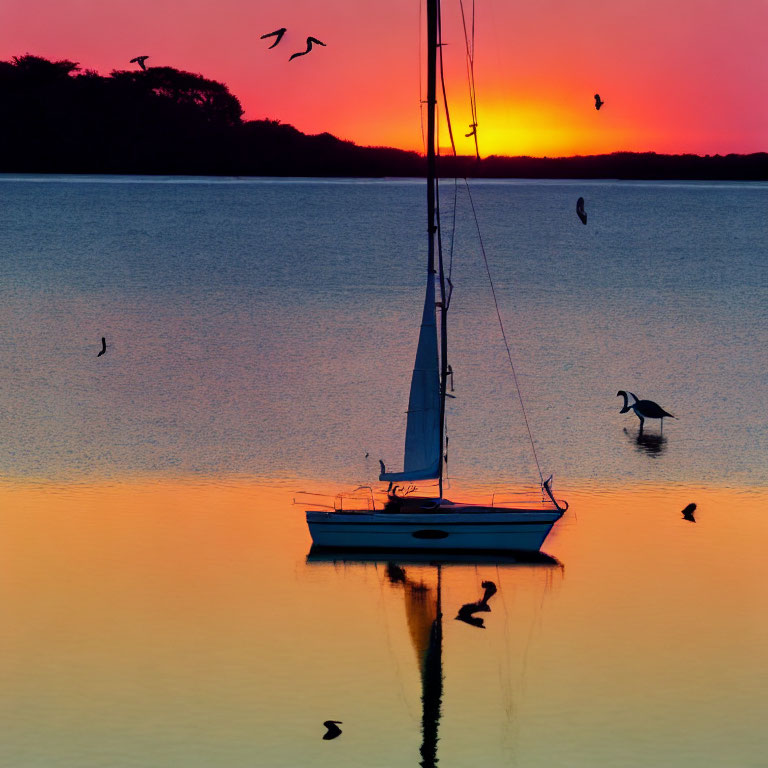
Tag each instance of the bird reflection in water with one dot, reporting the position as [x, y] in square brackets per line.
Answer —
[396, 574]
[467, 611]
[333, 729]
[688, 513]
[653, 445]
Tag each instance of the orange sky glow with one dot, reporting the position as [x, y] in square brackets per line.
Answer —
[682, 76]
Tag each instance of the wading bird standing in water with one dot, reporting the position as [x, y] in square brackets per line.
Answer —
[140, 61]
[580, 212]
[644, 409]
[598, 102]
[310, 41]
[279, 32]
[103, 347]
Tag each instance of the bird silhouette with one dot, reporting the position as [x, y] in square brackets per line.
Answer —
[467, 610]
[688, 513]
[310, 42]
[279, 32]
[490, 590]
[644, 409]
[396, 574]
[465, 615]
[333, 729]
[140, 61]
[472, 130]
[103, 347]
[598, 101]
[580, 212]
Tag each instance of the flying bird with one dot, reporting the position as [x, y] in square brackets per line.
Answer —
[644, 409]
[310, 41]
[598, 101]
[140, 61]
[688, 513]
[279, 32]
[103, 347]
[333, 729]
[580, 212]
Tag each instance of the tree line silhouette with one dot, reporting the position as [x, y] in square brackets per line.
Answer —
[58, 118]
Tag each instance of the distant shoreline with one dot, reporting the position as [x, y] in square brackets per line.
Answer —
[635, 166]
[148, 177]
[379, 163]
[163, 121]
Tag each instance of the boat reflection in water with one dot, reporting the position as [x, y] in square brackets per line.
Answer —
[423, 599]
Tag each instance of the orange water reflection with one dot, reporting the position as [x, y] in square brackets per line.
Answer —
[163, 623]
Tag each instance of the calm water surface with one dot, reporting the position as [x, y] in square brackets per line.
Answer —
[160, 605]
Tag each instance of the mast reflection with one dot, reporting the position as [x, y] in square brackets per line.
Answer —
[424, 615]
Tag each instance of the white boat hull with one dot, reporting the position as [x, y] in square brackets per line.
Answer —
[471, 528]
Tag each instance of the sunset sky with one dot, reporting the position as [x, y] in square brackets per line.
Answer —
[675, 75]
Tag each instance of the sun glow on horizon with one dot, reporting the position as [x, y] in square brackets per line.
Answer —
[539, 129]
[686, 77]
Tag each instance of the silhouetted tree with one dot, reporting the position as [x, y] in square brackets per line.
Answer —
[198, 97]
[54, 117]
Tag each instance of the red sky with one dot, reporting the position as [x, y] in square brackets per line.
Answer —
[675, 75]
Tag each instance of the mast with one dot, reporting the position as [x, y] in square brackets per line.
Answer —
[431, 108]
[433, 23]
[423, 454]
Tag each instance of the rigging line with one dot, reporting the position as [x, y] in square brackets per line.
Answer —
[437, 201]
[421, 101]
[474, 214]
[437, 152]
[450, 132]
[474, 89]
[445, 298]
[503, 333]
[466, 36]
[472, 47]
[470, 56]
[442, 73]
[470, 62]
[444, 457]
[453, 226]
[468, 53]
[473, 31]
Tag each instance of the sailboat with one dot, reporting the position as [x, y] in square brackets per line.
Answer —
[432, 522]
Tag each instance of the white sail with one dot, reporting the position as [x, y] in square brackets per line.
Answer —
[422, 433]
